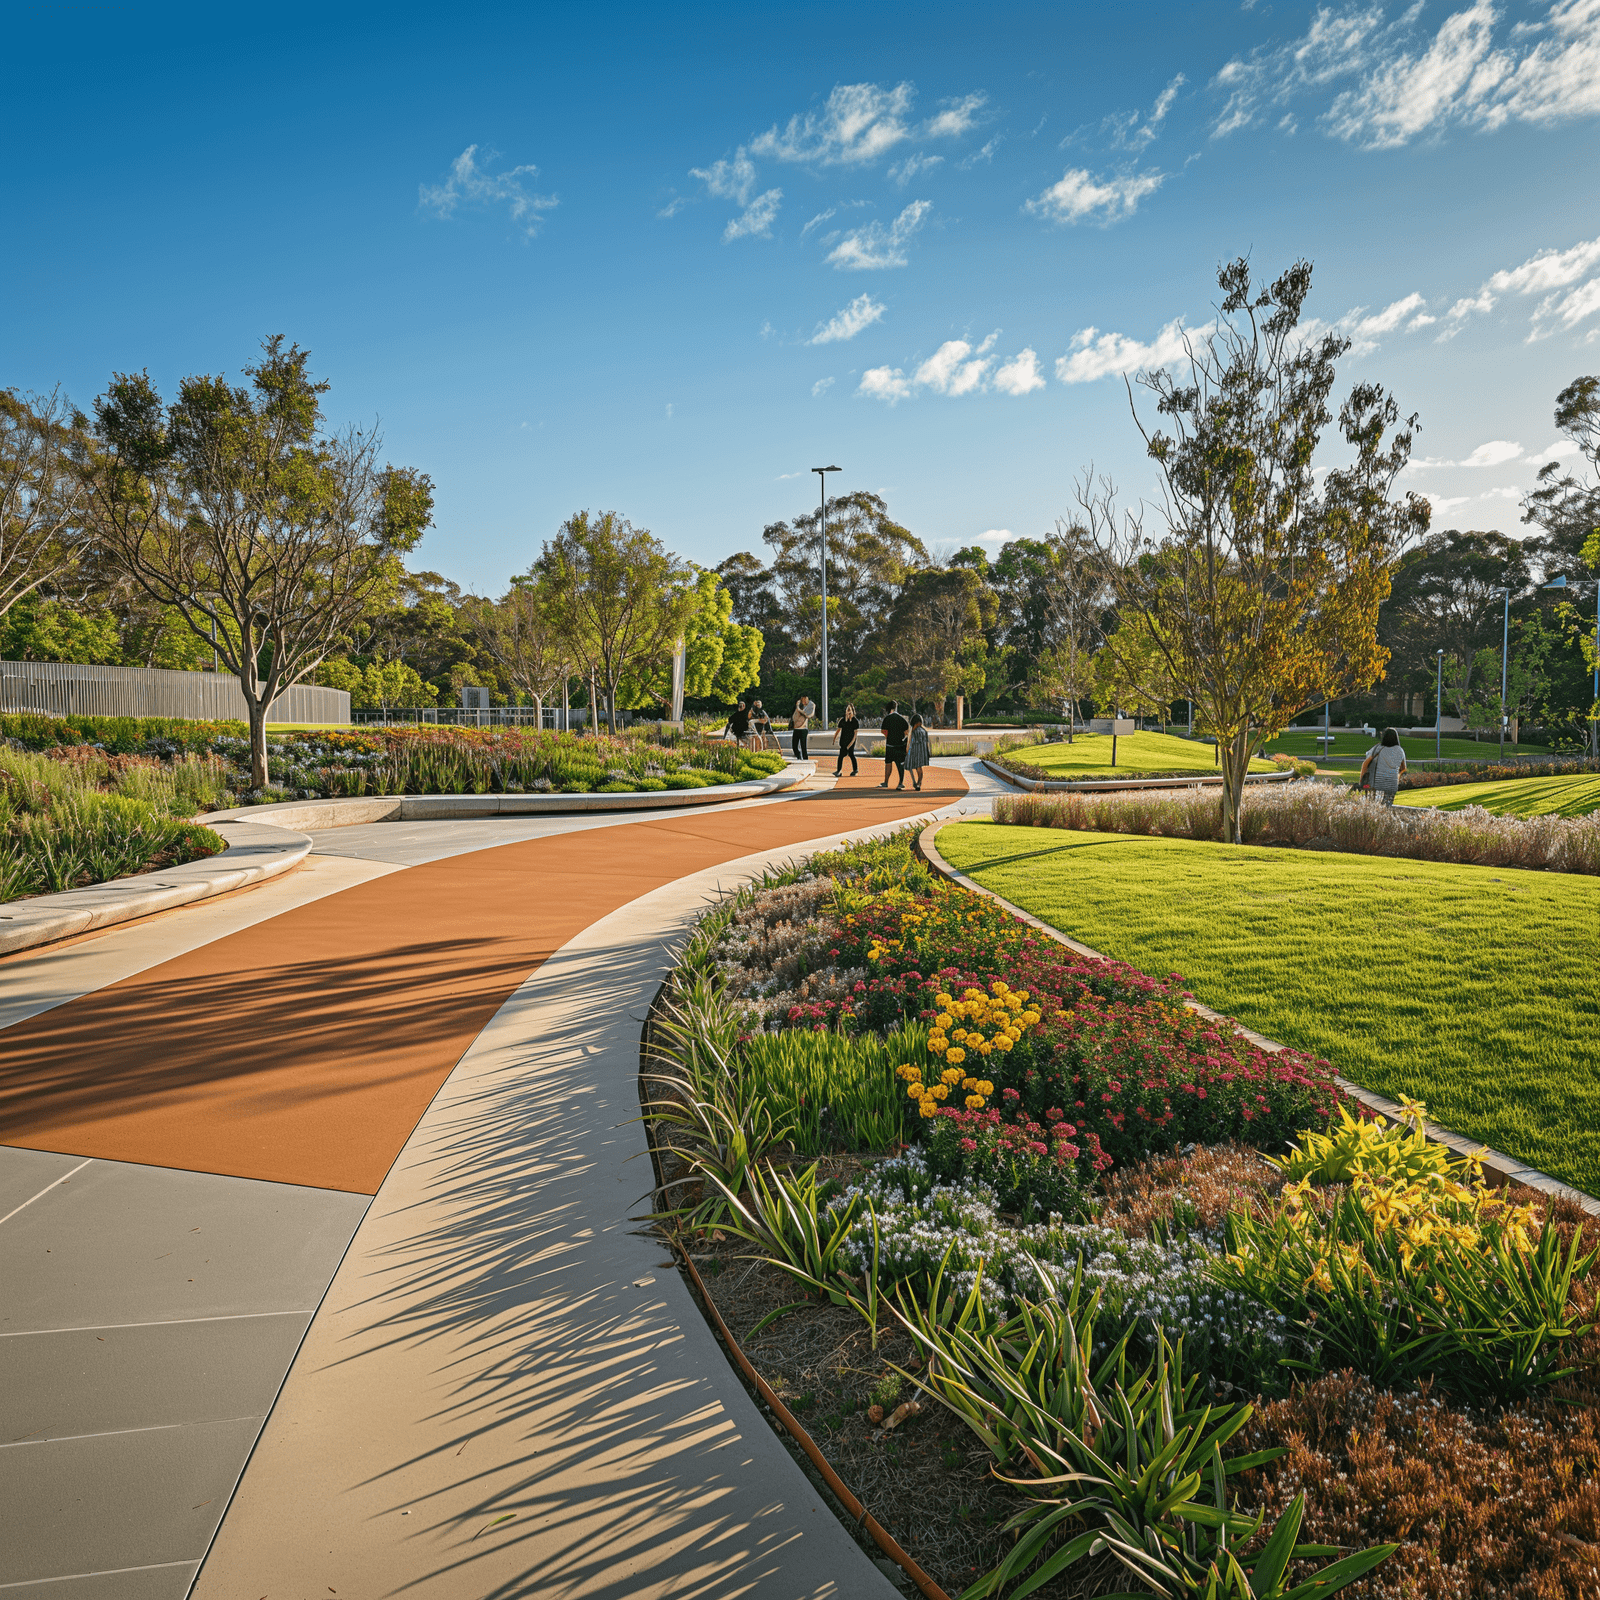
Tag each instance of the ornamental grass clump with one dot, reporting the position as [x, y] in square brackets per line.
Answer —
[1326, 816]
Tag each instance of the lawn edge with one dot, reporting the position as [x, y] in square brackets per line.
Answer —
[1499, 1167]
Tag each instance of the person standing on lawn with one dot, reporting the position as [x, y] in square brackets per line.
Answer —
[848, 727]
[919, 753]
[800, 725]
[895, 729]
[1384, 766]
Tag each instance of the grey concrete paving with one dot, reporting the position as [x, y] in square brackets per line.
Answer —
[148, 1319]
[508, 1390]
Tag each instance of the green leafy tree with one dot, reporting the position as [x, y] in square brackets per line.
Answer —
[1565, 504]
[236, 506]
[388, 686]
[617, 596]
[52, 630]
[522, 633]
[934, 641]
[1262, 586]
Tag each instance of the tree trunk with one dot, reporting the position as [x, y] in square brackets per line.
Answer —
[258, 741]
[538, 713]
[1235, 763]
[611, 706]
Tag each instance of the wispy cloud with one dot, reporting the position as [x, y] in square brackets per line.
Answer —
[1079, 196]
[1408, 79]
[469, 184]
[873, 247]
[957, 368]
[858, 124]
[1129, 132]
[861, 313]
[956, 117]
[904, 171]
[1551, 274]
[1094, 355]
[755, 221]
[821, 386]
[983, 156]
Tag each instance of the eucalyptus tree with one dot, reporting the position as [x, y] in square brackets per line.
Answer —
[1259, 587]
[236, 507]
[42, 443]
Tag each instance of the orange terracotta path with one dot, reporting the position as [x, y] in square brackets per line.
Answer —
[305, 1048]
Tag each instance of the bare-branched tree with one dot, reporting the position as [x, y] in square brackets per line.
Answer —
[1260, 592]
[41, 492]
[236, 509]
[521, 633]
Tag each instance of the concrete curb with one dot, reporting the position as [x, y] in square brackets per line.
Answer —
[255, 853]
[1112, 785]
[313, 815]
[265, 841]
[1498, 1167]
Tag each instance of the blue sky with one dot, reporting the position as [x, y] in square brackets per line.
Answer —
[663, 260]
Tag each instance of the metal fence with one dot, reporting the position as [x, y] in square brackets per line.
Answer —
[487, 717]
[66, 689]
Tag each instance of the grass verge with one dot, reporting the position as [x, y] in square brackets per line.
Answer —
[1089, 755]
[1418, 747]
[1470, 988]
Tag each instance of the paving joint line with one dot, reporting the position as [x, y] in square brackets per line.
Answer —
[1501, 1168]
[44, 1191]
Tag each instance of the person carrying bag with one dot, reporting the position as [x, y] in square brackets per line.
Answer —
[799, 727]
[1383, 767]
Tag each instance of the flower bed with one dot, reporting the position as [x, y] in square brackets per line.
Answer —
[1011, 1165]
[325, 763]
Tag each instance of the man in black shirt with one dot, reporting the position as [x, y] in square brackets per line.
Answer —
[895, 730]
[739, 722]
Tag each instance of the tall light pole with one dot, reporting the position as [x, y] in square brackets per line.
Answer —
[1505, 644]
[822, 479]
[1438, 709]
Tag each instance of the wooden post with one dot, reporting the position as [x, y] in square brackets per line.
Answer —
[960, 709]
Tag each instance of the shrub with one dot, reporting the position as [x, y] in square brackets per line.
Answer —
[1370, 1147]
[1036, 1169]
[1499, 1502]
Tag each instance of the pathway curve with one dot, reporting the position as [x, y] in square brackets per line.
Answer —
[489, 1305]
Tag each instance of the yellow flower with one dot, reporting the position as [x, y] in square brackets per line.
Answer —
[943, 1000]
[998, 987]
[943, 1020]
[984, 1047]
[956, 1056]
[1320, 1279]
[960, 1036]
[1002, 1044]
[929, 1107]
[914, 1091]
[951, 1075]
[940, 1091]
[1032, 1017]
[986, 1087]
[974, 1102]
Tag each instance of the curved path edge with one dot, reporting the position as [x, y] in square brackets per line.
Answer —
[266, 841]
[1500, 1167]
[508, 1389]
[1113, 785]
[255, 853]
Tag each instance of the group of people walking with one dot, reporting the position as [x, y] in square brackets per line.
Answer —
[906, 745]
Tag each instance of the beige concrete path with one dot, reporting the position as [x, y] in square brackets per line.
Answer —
[508, 1390]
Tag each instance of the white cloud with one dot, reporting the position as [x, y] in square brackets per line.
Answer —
[1543, 273]
[1364, 331]
[470, 183]
[884, 383]
[1506, 491]
[1020, 375]
[755, 221]
[861, 313]
[821, 386]
[874, 246]
[904, 171]
[1102, 355]
[1132, 134]
[1409, 79]
[858, 124]
[955, 368]
[1079, 195]
[980, 157]
[957, 117]
[996, 536]
[729, 179]
[1442, 503]
[784, 477]
[818, 220]
[1553, 452]
[1492, 454]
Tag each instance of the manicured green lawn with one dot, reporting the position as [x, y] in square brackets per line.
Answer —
[1304, 742]
[1089, 755]
[1575, 795]
[1472, 988]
